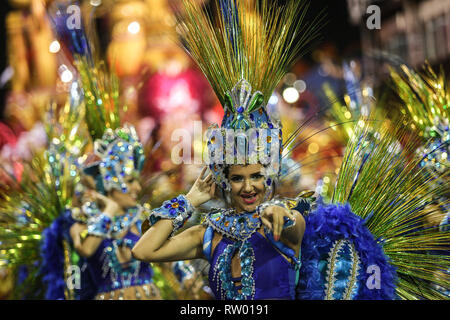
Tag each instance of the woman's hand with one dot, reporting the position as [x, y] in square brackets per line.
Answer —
[111, 207]
[273, 218]
[203, 189]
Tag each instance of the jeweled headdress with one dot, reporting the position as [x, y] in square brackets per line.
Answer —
[121, 155]
[244, 50]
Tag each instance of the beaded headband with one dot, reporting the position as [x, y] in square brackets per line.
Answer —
[121, 155]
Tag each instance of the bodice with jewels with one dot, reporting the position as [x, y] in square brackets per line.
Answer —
[107, 269]
[265, 272]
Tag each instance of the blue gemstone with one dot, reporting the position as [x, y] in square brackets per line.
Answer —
[247, 282]
[240, 109]
[181, 202]
[252, 117]
[224, 185]
[173, 211]
[227, 286]
[269, 182]
[247, 291]
[167, 205]
[174, 200]
[270, 125]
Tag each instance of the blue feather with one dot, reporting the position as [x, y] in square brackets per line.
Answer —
[335, 222]
[52, 253]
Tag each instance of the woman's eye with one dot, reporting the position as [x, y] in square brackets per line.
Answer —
[257, 176]
[236, 179]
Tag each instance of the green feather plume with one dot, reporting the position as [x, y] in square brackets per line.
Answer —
[257, 41]
[385, 185]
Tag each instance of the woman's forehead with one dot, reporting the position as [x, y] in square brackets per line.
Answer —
[245, 169]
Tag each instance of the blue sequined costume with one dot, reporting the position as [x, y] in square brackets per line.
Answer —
[108, 274]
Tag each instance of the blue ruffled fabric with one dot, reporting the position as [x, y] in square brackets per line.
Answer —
[52, 254]
[335, 222]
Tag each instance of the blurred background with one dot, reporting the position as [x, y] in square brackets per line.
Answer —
[161, 89]
[137, 37]
[164, 90]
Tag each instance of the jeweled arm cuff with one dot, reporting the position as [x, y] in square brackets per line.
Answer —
[179, 210]
[100, 226]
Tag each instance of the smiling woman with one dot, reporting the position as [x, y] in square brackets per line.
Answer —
[247, 186]
[253, 245]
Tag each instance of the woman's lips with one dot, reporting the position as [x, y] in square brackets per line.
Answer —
[249, 198]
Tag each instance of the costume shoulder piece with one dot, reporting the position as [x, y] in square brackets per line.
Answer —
[235, 226]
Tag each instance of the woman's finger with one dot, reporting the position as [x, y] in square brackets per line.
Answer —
[290, 215]
[267, 223]
[213, 190]
[268, 212]
[278, 226]
[208, 178]
[200, 177]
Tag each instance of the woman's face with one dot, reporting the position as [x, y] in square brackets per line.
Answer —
[247, 186]
[129, 198]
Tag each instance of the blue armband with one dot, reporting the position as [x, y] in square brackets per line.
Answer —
[100, 226]
[179, 210]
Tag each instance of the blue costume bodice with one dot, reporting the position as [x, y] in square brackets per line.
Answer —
[107, 273]
[265, 273]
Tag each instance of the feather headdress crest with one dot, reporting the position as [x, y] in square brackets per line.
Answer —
[245, 49]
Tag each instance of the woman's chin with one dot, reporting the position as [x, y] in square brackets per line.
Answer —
[250, 207]
[130, 204]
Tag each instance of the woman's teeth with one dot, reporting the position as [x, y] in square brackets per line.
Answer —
[249, 198]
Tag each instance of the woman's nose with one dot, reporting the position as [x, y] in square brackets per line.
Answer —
[248, 187]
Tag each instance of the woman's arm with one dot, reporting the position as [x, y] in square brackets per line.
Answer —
[156, 246]
[87, 247]
[294, 234]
